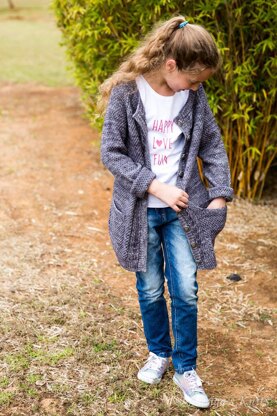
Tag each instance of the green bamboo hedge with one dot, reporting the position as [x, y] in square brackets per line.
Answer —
[99, 33]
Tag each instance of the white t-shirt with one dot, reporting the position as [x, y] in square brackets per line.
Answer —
[164, 136]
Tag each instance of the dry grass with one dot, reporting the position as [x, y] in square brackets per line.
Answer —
[74, 349]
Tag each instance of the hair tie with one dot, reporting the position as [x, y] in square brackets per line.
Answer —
[183, 24]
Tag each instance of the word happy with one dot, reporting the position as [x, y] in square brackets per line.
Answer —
[163, 126]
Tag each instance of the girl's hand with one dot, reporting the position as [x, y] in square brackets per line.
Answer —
[175, 197]
[217, 203]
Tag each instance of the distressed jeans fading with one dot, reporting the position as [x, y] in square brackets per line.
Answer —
[169, 257]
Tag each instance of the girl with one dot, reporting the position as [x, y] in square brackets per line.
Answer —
[163, 220]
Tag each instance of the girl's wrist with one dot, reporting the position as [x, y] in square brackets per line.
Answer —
[154, 187]
[219, 202]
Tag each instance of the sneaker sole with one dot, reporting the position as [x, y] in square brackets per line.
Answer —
[188, 399]
[148, 380]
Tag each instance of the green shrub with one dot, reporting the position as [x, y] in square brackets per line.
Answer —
[98, 34]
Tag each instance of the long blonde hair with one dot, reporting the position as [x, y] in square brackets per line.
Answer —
[189, 46]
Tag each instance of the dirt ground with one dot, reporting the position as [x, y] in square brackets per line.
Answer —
[56, 261]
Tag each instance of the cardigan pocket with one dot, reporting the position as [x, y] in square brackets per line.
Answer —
[209, 221]
[116, 227]
[203, 226]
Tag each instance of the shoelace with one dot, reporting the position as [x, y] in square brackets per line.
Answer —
[194, 381]
[155, 363]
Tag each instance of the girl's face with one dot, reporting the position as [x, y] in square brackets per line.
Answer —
[184, 80]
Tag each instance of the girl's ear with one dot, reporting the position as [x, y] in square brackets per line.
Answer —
[170, 65]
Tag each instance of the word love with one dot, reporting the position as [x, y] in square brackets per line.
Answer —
[164, 143]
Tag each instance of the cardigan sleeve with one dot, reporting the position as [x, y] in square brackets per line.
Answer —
[114, 152]
[214, 157]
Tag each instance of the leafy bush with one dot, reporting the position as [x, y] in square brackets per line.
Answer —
[98, 34]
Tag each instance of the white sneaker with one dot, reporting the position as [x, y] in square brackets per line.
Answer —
[154, 369]
[191, 385]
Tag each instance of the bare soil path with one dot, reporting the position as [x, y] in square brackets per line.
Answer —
[70, 334]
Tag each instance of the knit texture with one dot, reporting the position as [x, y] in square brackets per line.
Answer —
[124, 151]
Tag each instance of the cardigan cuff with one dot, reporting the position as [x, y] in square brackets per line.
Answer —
[142, 182]
[221, 192]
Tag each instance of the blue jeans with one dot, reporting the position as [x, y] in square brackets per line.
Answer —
[169, 256]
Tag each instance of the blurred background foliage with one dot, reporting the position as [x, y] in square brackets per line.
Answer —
[98, 34]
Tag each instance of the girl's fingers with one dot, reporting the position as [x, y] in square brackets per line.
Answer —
[176, 208]
[181, 204]
[184, 199]
[181, 201]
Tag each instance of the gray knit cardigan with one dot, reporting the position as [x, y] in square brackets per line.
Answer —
[124, 151]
